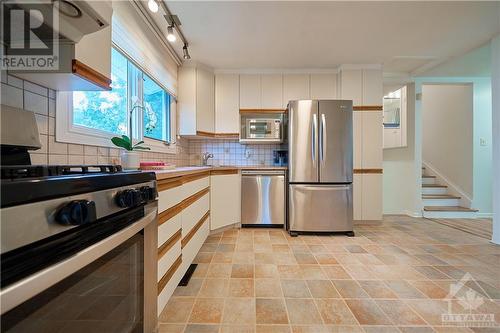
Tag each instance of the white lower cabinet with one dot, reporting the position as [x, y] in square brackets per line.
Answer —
[225, 200]
[367, 197]
[356, 196]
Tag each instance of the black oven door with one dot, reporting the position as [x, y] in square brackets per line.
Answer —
[102, 289]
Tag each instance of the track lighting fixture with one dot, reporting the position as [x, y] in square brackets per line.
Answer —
[185, 52]
[153, 6]
[170, 34]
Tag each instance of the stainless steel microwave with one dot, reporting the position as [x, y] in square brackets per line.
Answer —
[261, 128]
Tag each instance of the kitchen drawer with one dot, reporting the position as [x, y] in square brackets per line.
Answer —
[173, 281]
[192, 214]
[169, 198]
[169, 228]
[194, 186]
[167, 258]
[193, 245]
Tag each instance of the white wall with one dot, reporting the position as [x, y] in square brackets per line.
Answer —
[447, 139]
[400, 192]
[495, 88]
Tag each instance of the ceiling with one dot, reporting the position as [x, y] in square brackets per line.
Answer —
[403, 36]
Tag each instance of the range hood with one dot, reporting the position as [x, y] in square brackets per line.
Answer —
[75, 18]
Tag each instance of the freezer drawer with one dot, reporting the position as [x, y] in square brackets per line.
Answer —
[262, 198]
[320, 208]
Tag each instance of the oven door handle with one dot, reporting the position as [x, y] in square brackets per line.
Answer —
[21, 291]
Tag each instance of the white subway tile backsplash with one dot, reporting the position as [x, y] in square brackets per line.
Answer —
[90, 159]
[3, 75]
[39, 158]
[52, 125]
[90, 151]
[44, 140]
[75, 149]
[35, 88]
[57, 147]
[52, 108]
[52, 94]
[102, 151]
[12, 96]
[36, 103]
[76, 159]
[14, 81]
[42, 123]
[58, 159]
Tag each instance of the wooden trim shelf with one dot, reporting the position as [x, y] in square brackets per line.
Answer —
[196, 176]
[174, 210]
[224, 172]
[194, 230]
[367, 108]
[168, 275]
[368, 171]
[264, 111]
[165, 247]
[218, 135]
[168, 183]
[87, 73]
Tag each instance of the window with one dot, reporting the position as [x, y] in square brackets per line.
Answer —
[156, 110]
[95, 116]
[105, 110]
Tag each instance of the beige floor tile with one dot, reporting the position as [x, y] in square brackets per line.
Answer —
[237, 329]
[214, 288]
[207, 310]
[400, 313]
[367, 312]
[266, 271]
[431, 273]
[336, 272]
[243, 258]
[273, 329]
[381, 329]
[290, 271]
[241, 288]
[326, 329]
[223, 257]
[416, 329]
[303, 311]
[242, 271]
[271, 311]
[313, 272]
[377, 289]
[295, 289]
[335, 311]
[201, 271]
[177, 310]
[429, 310]
[430, 289]
[305, 258]
[264, 258]
[349, 289]
[268, 288]
[322, 289]
[239, 311]
[225, 248]
[201, 328]
[219, 271]
[325, 259]
[191, 289]
[170, 328]
[404, 290]
[203, 258]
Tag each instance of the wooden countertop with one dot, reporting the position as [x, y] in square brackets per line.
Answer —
[192, 170]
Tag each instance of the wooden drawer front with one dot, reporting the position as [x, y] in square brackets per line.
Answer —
[169, 198]
[192, 245]
[168, 253]
[169, 228]
[192, 187]
[194, 212]
[169, 282]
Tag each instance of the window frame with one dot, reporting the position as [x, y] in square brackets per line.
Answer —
[67, 131]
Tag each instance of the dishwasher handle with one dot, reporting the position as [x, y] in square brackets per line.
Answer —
[263, 172]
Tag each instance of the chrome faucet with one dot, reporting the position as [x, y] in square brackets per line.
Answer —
[205, 157]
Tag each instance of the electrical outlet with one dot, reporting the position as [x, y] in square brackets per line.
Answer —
[482, 142]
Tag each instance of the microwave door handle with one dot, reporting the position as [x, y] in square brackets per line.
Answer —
[323, 138]
[313, 138]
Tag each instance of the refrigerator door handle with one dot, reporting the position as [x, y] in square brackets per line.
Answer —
[313, 138]
[323, 139]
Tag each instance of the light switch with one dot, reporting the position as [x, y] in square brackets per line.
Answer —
[482, 142]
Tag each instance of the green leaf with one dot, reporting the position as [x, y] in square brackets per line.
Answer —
[141, 148]
[120, 142]
[127, 139]
[138, 143]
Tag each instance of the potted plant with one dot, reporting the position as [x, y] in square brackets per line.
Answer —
[129, 156]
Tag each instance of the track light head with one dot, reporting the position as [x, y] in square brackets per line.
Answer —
[170, 34]
[185, 52]
[153, 6]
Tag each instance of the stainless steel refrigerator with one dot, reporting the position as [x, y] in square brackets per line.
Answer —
[320, 166]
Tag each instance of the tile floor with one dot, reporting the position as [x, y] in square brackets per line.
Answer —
[392, 277]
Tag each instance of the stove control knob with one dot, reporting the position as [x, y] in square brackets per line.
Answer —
[77, 212]
[148, 193]
[129, 198]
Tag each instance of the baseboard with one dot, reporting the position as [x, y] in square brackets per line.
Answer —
[412, 214]
[485, 215]
[224, 228]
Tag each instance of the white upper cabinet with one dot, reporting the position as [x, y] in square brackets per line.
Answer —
[196, 101]
[372, 87]
[227, 103]
[250, 91]
[295, 86]
[271, 91]
[351, 85]
[323, 86]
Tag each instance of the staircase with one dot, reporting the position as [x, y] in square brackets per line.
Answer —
[438, 203]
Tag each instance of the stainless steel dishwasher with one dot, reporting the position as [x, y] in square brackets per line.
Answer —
[263, 198]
